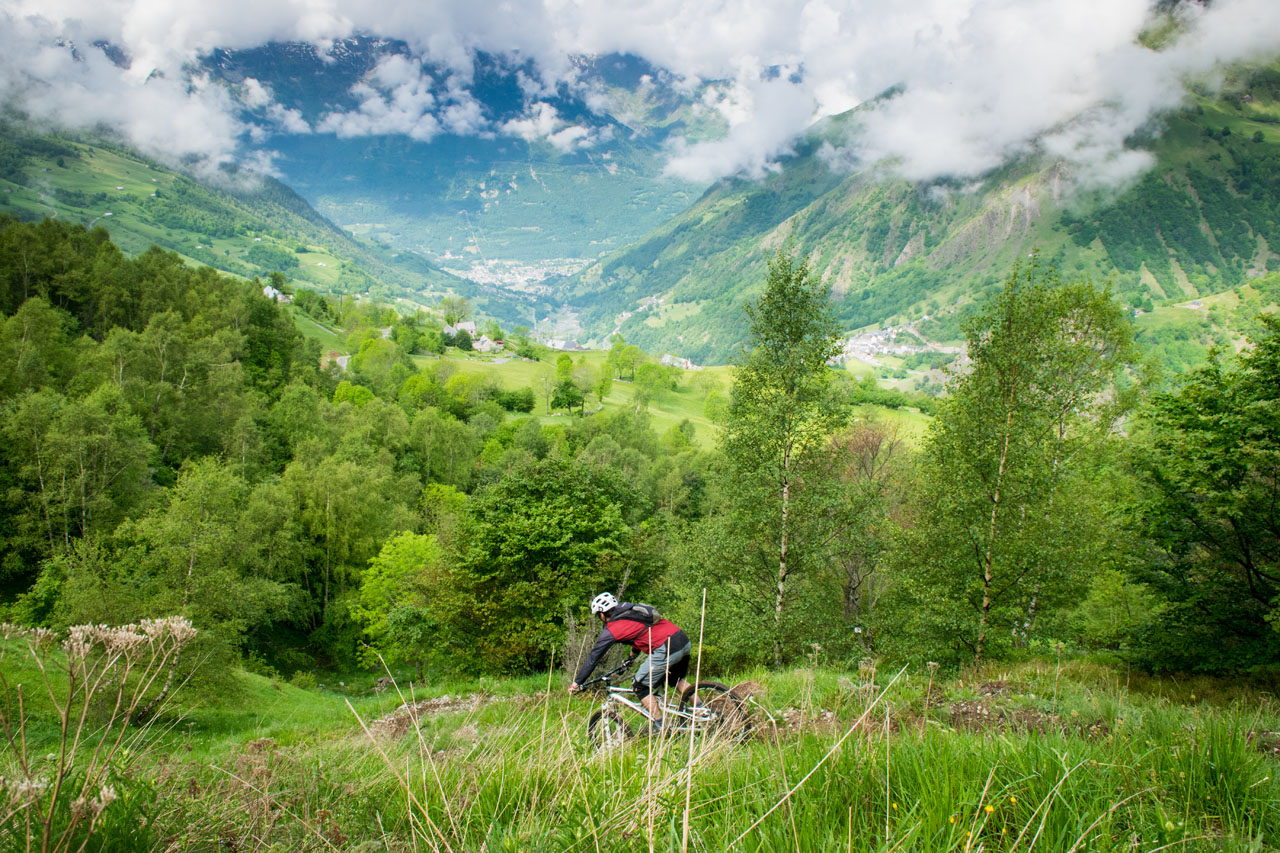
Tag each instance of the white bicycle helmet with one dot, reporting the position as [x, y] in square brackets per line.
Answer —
[603, 603]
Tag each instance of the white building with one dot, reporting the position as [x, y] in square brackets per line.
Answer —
[467, 326]
[669, 360]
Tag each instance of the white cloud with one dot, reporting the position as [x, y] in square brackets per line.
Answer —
[542, 122]
[1003, 79]
[257, 96]
[254, 94]
[396, 98]
[982, 79]
[463, 114]
[762, 118]
[289, 119]
[59, 83]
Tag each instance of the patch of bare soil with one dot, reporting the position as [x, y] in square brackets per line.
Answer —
[399, 721]
[1267, 743]
[981, 716]
[934, 698]
[815, 720]
[996, 688]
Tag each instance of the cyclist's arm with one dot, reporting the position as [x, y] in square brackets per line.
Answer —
[603, 643]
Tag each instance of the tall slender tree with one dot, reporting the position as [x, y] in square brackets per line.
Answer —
[998, 526]
[780, 413]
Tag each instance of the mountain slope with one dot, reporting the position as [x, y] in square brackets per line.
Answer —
[246, 225]
[1203, 220]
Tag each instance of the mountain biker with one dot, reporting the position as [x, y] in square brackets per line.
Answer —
[640, 626]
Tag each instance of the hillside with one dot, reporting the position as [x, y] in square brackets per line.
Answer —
[245, 225]
[1082, 751]
[1201, 222]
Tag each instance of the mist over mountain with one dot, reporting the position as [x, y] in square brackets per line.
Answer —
[631, 168]
[580, 177]
[919, 255]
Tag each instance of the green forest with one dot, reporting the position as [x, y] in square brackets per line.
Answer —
[173, 450]
[170, 436]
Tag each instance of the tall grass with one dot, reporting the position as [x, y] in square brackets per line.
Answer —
[850, 761]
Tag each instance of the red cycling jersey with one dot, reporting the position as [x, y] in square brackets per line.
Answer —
[643, 638]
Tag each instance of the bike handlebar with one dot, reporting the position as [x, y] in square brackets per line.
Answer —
[606, 677]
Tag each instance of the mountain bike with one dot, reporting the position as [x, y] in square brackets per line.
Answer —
[708, 707]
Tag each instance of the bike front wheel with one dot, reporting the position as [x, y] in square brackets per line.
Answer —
[606, 730]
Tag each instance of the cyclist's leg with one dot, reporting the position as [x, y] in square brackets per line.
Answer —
[677, 671]
[652, 674]
[662, 668]
[643, 684]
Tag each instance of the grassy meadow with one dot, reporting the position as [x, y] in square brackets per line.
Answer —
[118, 192]
[686, 402]
[666, 410]
[1040, 755]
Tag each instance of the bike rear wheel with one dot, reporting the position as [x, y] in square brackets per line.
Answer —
[606, 730]
[716, 708]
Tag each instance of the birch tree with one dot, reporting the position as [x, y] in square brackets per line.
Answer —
[997, 528]
[780, 412]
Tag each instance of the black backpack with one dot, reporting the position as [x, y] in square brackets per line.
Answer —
[646, 614]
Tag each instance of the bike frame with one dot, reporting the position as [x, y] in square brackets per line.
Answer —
[691, 720]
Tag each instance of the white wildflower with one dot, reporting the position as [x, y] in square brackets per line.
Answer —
[105, 797]
[28, 791]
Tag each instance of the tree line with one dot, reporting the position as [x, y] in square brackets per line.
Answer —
[173, 446]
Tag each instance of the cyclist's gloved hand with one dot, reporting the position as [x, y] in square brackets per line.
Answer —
[574, 688]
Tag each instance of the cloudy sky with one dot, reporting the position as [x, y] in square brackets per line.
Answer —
[981, 80]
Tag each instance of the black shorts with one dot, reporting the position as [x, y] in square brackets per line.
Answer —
[666, 664]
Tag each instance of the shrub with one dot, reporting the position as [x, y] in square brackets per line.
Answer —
[304, 680]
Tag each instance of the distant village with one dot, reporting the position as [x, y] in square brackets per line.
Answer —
[896, 341]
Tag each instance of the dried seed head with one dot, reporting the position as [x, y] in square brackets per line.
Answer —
[122, 640]
[79, 641]
[105, 797]
[175, 628]
[38, 637]
[26, 791]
